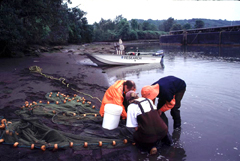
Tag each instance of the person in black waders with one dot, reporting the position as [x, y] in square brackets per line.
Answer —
[150, 129]
[171, 90]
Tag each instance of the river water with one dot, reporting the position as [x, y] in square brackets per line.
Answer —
[210, 107]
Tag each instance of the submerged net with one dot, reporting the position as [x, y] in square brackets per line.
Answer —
[62, 122]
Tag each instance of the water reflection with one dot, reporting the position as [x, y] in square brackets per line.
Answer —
[121, 72]
[206, 52]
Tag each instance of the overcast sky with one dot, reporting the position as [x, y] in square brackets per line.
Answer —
[158, 9]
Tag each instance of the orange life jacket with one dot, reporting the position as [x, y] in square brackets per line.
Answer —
[114, 95]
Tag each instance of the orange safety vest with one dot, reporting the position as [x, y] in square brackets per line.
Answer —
[114, 95]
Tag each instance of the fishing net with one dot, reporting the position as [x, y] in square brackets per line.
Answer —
[62, 121]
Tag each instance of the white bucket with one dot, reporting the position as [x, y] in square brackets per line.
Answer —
[111, 116]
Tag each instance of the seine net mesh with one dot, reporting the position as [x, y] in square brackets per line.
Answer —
[62, 122]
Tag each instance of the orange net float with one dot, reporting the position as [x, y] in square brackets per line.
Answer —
[64, 101]
[53, 111]
[57, 102]
[89, 103]
[71, 144]
[2, 126]
[74, 95]
[125, 141]
[78, 100]
[100, 143]
[69, 100]
[93, 106]
[48, 102]
[55, 147]
[83, 102]
[43, 147]
[133, 143]
[3, 121]
[40, 101]
[85, 145]
[32, 146]
[1, 140]
[15, 144]
[95, 115]
[114, 143]
[84, 115]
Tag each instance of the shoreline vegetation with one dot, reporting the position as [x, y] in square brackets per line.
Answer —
[25, 24]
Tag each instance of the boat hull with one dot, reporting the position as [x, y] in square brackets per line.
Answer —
[110, 59]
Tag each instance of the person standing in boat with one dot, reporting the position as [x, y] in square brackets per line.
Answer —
[115, 94]
[150, 129]
[171, 90]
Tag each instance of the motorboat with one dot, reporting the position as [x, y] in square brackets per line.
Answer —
[114, 59]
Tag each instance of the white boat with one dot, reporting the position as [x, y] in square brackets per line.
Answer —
[113, 59]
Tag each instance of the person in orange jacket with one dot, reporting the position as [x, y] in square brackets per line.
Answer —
[171, 90]
[115, 95]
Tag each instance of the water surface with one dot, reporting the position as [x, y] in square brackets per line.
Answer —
[210, 107]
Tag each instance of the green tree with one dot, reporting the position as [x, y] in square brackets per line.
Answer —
[186, 26]
[134, 24]
[168, 24]
[146, 26]
[199, 24]
[176, 27]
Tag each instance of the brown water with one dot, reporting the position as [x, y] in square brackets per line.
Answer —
[210, 108]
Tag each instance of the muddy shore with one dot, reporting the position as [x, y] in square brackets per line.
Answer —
[19, 84]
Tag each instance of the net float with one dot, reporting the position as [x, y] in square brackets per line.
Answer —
[85, 144]
[57, 102]
[43, 147]
[64, 101]
[114, 143]
[100, 143]
[3, 121]
[1, 140]
[55, 146]
[15, 144]
[32, 146]
[125, 141]
[71, 144]
[2, 126]
[93, 106]
[48, 102]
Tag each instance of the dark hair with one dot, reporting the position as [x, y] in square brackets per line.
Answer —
[130, 84]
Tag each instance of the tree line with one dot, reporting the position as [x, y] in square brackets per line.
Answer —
[50, 22]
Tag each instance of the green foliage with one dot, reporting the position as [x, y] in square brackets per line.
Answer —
[176, 27]
[23, 23]
[168, 24]
[199, 24]
[186, 26]
[134, 24]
